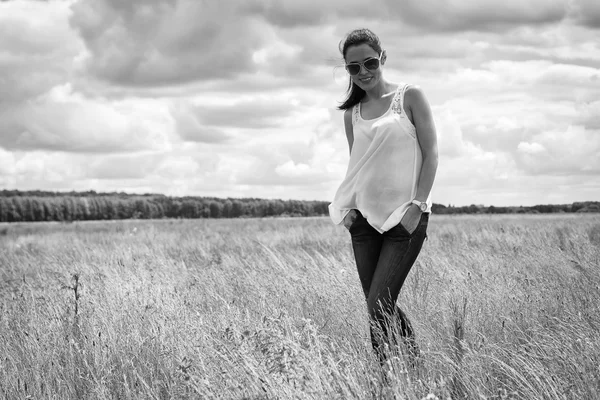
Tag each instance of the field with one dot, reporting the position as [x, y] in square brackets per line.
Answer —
[504, 307]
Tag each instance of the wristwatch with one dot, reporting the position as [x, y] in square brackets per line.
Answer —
[421, 204]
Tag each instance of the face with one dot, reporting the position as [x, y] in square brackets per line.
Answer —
[365, 79]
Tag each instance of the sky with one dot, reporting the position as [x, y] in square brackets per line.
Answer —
[238, 98]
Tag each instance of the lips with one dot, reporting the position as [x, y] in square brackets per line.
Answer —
[366, 80]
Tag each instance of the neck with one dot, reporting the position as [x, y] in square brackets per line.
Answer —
[377, 91]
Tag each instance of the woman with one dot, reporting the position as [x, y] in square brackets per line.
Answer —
[384, 199]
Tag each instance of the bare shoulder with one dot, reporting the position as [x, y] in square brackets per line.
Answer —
[414, 95]
[348, 127]
[348, 121]
[348, 115]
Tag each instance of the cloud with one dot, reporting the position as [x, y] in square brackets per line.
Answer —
[502, 134]
[7, 163]
[530, 148]
[56, 170]
[293, 14]
[220, 118]
[182, 47]
[189, 125]
[468, 15]
[588, 115]
[188, 169]
[257, 112]
[124, 167]
[31, 62]
[586, 12]
[65, 121]
[450, 136]
[305, 155]
[140, 43]
[573, 152]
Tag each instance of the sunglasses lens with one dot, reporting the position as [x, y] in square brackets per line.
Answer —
[372, 64]
[353, 69]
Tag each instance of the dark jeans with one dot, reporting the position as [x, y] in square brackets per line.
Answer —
[383, 261]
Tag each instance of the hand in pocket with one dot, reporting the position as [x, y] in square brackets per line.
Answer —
[350, 218]
[410, 220]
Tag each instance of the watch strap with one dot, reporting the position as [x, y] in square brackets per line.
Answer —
[421, 204]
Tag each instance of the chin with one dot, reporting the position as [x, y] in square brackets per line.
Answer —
[366, 85]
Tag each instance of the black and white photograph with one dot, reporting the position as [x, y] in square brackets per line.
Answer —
[300, 199]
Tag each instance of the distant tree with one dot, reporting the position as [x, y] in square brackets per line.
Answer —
[589, 208]
[17, 209]
[3, 209]
[190, 209]
[275, 207]
[175, 209]
[472, 209]
[124, 211]
[227, 208]
[237, 209]
[439, 208]
[216, 209]
[111, 208]
[16, 206]
[159, 211]
[38, 212]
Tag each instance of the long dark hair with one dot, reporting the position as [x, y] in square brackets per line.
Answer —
[355, 38]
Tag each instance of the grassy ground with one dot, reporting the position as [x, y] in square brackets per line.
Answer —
[505, 307]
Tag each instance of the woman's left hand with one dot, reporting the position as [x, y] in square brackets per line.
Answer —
[411, 219]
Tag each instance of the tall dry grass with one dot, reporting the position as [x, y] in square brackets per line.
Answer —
[505, 307]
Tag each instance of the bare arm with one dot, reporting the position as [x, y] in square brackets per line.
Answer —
[351, 216]
[427, 138]
[348, 127]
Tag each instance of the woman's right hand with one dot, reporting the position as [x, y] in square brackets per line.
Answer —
[350, 218]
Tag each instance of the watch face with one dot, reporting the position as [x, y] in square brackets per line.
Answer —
[423, 207]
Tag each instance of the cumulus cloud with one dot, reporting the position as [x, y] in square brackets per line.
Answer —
[124, 167]
[162, 42]
[63, 120]
[292, 14]
[7, 163]
[212, 119]
[189, 125]
[530, 148]
[573, 151]
[586, 12]
[46, 170]
[251, 113]
[502, 134]
[460, 15]
[588, 115]
[450, 136]
[31, 62]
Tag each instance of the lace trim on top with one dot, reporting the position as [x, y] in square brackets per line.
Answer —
[398, 102]
[355, 114]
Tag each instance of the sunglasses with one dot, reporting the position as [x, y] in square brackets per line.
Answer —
[370, 64]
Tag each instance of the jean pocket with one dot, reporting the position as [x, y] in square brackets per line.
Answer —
[423, 221]
[354, 218]
[405, 231]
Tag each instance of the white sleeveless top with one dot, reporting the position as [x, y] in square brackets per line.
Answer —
[384, 167]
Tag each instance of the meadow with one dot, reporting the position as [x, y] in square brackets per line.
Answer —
[504, 307]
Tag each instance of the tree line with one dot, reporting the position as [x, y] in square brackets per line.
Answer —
[50, 206]
[29, 206]
[577, 207]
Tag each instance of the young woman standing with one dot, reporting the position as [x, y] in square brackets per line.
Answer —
[384, 199]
